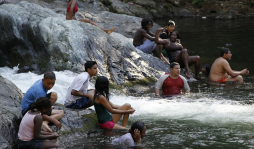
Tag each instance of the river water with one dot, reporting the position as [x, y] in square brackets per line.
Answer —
[211, 116]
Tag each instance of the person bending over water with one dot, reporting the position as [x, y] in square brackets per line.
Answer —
[222, 72]
[30, 134]
[144, 40]
[137, 131]
[72, 8]
[176, 53]
[104, 107]
[171, 83]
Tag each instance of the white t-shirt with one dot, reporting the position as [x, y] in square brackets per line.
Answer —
[124, 139]
[80, 84]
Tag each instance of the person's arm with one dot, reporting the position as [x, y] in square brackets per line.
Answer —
[81, 94]
[106, 104]
[158, 40]
[146, 35]
[150, 33]
[159, 84]
[37, 130]
[233, 74]
[186, 87]
[137, 136]
[157, 92]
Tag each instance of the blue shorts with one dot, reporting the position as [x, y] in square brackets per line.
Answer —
[80, 103]
[32, 144]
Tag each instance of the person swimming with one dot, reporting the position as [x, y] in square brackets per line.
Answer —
[136, 132]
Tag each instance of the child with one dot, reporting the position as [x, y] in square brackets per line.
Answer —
[137, 131]
[109, 114]
[30, 134]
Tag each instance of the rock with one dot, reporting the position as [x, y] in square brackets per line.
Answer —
[38, 39]
[229, 15]
[182, 12]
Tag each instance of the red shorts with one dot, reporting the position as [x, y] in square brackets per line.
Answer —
[107, 125]
[222, 80]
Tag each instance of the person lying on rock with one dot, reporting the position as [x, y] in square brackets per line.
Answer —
[72, 8]
[172, 83]
[177, 53]
[109, 114]
[221, 70]
[40, 89]
[30, 134]
[144, 40]
[78, 96]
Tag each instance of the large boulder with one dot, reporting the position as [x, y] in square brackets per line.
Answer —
[38, 39]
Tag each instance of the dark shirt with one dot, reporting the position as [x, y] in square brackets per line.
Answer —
[164, 35]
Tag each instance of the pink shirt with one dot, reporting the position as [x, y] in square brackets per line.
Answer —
[26, 127]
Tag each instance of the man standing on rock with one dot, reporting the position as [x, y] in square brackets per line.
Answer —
[222, 72]
[144, 40]
[172, 83]
[77, 95]
[40, 89]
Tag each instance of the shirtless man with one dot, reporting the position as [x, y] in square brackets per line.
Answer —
[222, 72]
[172, 83]
[144, 40]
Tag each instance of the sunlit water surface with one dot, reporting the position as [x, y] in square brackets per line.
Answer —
[211, 116]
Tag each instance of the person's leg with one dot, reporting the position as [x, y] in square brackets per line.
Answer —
[116, 117]
[56, 114]
[53, 97]
[196, 61]
[93, 23]
[235, 79]
[157, 52]
[182, 58]
[50, 144]
[117, 126]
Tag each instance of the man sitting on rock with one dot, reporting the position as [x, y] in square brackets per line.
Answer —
[77, 95]
[144, 40]
[171, 83]
[40, 89]
[222, 72]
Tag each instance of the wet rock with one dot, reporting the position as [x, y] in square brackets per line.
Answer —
[228, 15]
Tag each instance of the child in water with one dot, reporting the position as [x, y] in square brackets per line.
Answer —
[137, 131]
[30, 134]
[109, 114]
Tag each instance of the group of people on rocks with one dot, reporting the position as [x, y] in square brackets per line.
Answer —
[172, 83]
[38, 112]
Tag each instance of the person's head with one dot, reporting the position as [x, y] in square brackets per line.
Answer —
[206, 69]
[225, 53]
[140, 126]
[147, 24]
[175, 69]
[91, 68]
[174, 36]
[49, 80]
[42, 104]
[102, 87]
[170, 26]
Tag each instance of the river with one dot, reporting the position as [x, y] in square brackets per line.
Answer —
[211, 116]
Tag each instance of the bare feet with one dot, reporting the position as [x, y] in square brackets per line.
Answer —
[110, 30]
[45, 127]
[187, 74]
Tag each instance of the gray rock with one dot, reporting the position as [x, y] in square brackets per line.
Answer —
[38, 39]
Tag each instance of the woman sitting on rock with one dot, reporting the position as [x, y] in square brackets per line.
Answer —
[72, 8]
[30, 134]
[109, 114]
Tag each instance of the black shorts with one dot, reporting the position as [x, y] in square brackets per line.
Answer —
[48, 96]
[173, 59]
[32, 144]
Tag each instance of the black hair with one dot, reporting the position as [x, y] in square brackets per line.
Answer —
[207, 68]
[41, 102]
[146, 21]
[89, 64]
[137, 125]
[224, 51]
[171, 22]
[102, 87]
[172, 65]
[49, 75]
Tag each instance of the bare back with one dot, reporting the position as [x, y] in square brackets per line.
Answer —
[219, 69]
[140, 37]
